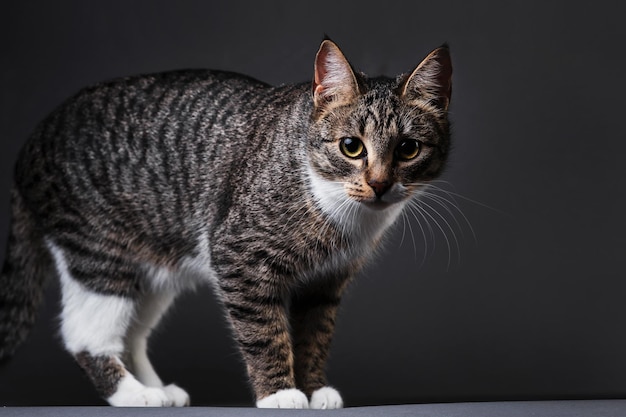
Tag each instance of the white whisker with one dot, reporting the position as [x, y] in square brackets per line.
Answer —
[426, 213]
[449, 226]
[446, 204]
[405, 219]
[453, 194]
[415, 212]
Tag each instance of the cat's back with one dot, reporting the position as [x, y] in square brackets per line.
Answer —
[132, 119]
[134, 142]
[147, 101]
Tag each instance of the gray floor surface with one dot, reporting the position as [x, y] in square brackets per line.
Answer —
[591, 408]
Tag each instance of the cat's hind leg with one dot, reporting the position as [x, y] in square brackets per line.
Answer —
[150, 310]
[94, 325]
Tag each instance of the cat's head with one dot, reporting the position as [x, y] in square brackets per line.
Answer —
[374, 143]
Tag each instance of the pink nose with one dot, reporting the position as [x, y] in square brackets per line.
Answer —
[380, 187]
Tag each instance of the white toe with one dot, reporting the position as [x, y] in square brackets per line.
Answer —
[132, 393]
[326, 398]
[177, 395]
[286, 398]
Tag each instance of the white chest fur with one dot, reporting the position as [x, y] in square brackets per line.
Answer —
[362, 224]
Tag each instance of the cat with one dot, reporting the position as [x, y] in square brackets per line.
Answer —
[139, 188]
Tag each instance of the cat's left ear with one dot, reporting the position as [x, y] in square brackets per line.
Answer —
[334, 82]
[431, 80]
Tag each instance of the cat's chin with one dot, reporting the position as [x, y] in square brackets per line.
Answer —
[377, 205]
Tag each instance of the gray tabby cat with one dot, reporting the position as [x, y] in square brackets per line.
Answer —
[140, 188]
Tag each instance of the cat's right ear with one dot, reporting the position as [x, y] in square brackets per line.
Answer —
[334, 82]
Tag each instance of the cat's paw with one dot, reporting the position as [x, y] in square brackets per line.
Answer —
[286, 398]
[326, 398]
[177, 395]
[132, 393]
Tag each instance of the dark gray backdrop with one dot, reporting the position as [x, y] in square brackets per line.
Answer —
[533, 307]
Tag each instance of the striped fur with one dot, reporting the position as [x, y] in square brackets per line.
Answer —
[145, 186]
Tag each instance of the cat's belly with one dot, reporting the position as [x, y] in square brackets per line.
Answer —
[191, 270]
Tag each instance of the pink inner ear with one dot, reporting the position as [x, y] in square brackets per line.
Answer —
[320, 66]
[333, 79]
[321, 72]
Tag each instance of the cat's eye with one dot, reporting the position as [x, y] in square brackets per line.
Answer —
[352, 148]
[408, 149]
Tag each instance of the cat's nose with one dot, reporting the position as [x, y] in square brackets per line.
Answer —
[379, 187]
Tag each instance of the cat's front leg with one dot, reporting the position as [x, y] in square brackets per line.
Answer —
[313, 312]
[261, 327]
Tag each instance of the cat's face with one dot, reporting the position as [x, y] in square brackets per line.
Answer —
[377, 142]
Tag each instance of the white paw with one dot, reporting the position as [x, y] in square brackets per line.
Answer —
[132, 393]
[326, 398]
[146, 397]
[286, 398]
[176, 395]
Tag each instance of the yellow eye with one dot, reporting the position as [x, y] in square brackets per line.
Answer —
[352, 148]
[408, 149]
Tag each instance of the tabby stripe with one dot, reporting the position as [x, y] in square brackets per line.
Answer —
[370, 113]
[115, 174]
[178, 159]
[89, 178]
[279, 374]
[187, 159]
[87, 269]
[167, 139]
[255, 345]
[234, 275]
[168, 112]
[229, 290]
[390, 121]
[163, 149]
[56, 151]
[243, 309]
[247, 318]
[277, 266]
[265, 301]
[68, 225]
[146, 112]
[251, 282]
[88, 274]
[149, 115]
[233, 283]
[79, 247]
[218, 106]
[195, 155]
[226, 113]
[279, 354]
[151, 222]
[99, 194]
[201, 121]
[246, 314]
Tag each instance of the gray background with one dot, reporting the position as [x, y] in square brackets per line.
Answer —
[531, 308]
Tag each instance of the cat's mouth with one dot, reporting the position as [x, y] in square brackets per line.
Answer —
[388, 198]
